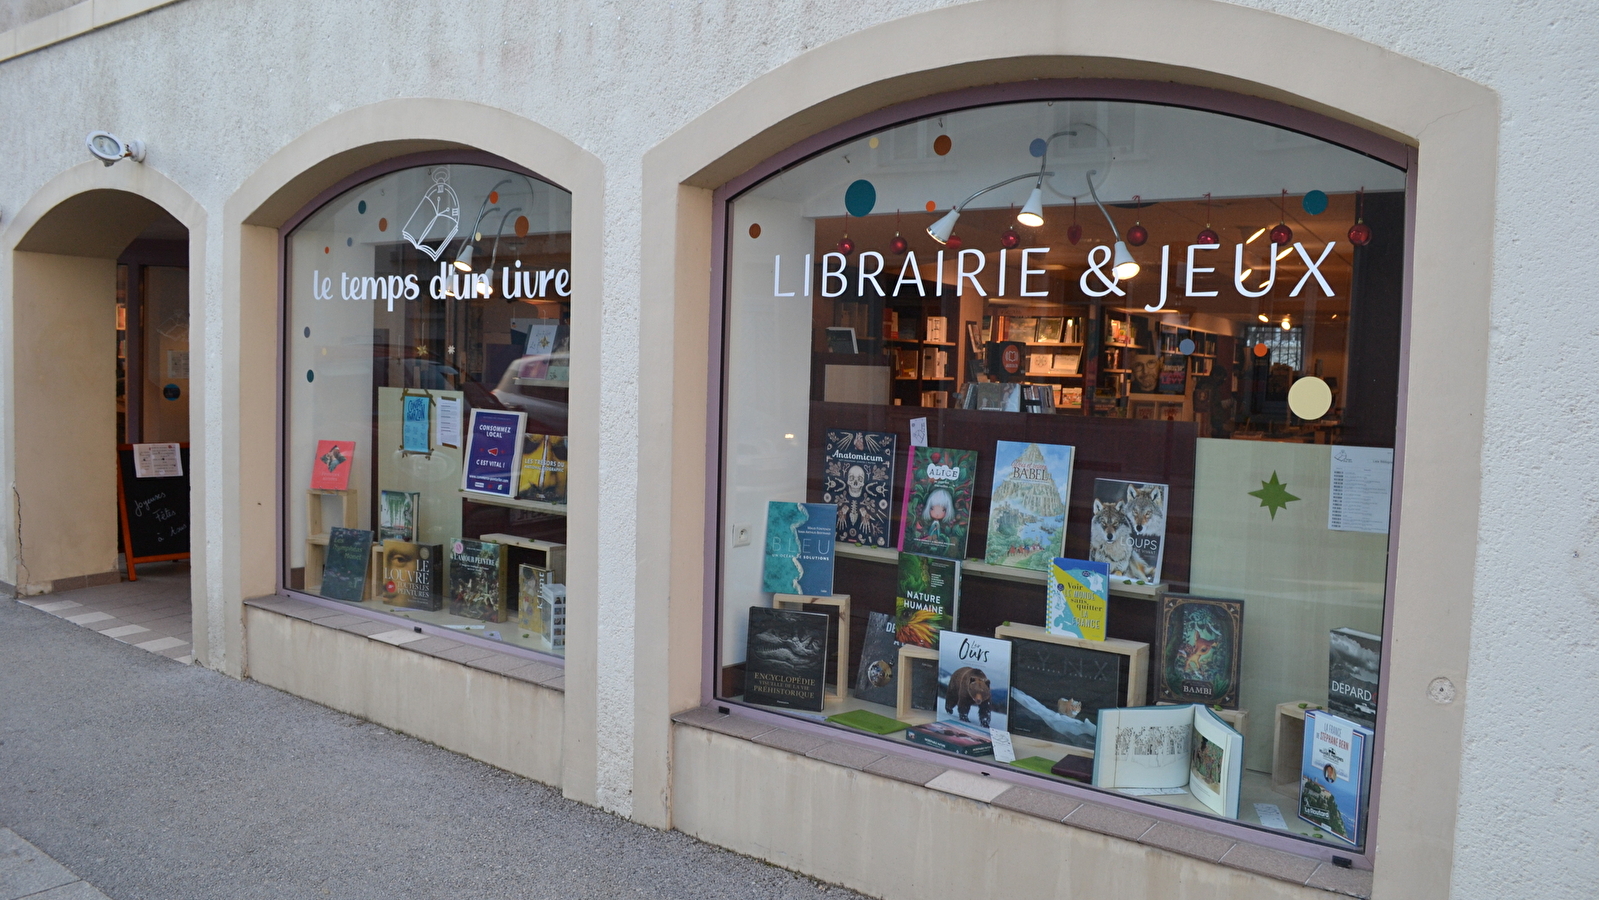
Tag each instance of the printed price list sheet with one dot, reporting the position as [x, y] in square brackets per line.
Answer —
[1361, 488]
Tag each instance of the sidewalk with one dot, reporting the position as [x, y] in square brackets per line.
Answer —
[158, 781]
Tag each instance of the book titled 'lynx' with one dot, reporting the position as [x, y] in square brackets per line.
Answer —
[785, 660]
[858, 478]
[937, 512]
[477, 580]
[1027, 510]
[799, 548]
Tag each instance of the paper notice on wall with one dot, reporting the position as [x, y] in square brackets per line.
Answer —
[447, 423]
[177, 364]
[919, 432]
[1270, 816]
[1360, 489]
[157, 461]
[1003, 750]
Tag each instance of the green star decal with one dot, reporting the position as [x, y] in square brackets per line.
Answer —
[1273, 495]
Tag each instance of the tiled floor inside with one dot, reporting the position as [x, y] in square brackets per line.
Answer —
[152, 613]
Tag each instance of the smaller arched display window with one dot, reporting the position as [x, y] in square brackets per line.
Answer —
[1060, 435]
[427, 334]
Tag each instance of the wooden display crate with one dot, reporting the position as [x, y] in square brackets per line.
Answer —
[841, 602]
[1288, 746]
[1137, 653]
[902, 698]
[317, 536]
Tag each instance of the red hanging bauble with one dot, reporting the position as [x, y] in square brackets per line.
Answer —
[1074, 232]
[846, 246]
[1137, 235]
[1282, 234]
[899, 245]
[954, 242]
[1360, 234]
[1010, 239]
[1207, 236]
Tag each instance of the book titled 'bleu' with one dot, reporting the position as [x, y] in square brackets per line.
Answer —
[799, 548]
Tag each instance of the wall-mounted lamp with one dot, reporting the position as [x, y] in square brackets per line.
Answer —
[109, 149]
[463, 260]
[1032, 214]
[1125, 266]
[945, 226]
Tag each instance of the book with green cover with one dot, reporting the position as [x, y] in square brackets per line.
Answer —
[926, 599]
[344, 570]
[865, 720]
[936, 516]
[1039, 764]
[477, 580]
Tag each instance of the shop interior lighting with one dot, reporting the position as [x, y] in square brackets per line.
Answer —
[1258, 232]
[1032, 214]
[1263, 317]
[1286, 324]
[110, 149]
[1125, 266]
[463, 260]
[945, 226]
[1285, 251]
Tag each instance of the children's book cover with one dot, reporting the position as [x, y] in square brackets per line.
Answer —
[858, 478]
[1057, 691]
[1128, 529]
[1198, 647]
[331, 471]
[974, 678]
[876, 681]
[799, 548]
[1027, 509]
[937, 513]
[1077, 599]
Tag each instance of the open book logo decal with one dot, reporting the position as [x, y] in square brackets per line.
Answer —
[437, 217]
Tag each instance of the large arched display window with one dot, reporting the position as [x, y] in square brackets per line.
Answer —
[427, 368]
[1059, 435]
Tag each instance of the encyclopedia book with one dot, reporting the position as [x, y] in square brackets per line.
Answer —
[785, 660]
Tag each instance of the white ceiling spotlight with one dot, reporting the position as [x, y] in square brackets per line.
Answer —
[108, 148]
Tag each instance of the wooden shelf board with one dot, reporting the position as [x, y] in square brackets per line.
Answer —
[558, 509]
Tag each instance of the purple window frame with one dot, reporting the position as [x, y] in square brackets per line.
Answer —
[313, 206]
[1269, 112]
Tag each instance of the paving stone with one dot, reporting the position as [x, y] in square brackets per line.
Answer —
[25, 869]
[1188, 841]
[1109, 820]
[1043, 804]
[899, 768]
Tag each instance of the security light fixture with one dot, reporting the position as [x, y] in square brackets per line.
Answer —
[108, 148]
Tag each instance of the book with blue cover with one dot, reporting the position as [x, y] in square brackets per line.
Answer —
[1077, 598]
[1335, 775]
[799, 548]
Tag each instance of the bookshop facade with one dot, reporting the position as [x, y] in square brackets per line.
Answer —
[1055, 469]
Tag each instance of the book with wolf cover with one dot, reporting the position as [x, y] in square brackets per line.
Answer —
[1077, 598]
[1186, 746]
[413, 575]
[344, 568]
[1354, 659]
[1199, 650]
[1027, 509]
[1057, 691]
[397, 515]
[543, 475]
[1128, 530]
[1335, 775]
[974, 673]
[877, 681]
[799, 548]
[926, 599]
[785, 661]
[477, 580]
[937, 512]
[858, 478]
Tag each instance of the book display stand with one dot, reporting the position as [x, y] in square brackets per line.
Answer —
[1137, 653]
[1288, 746]
[317, 534]
[841, 602]
[902, 700]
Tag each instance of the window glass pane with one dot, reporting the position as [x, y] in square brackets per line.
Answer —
[1191, 409]
[427, 332]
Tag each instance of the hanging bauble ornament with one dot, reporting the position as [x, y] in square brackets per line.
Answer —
[1282, 234]
[899, 245]
[1360, 234]
[1010, 239]
[1207, 236]
[846, 246]
[1137, 235]
[954, 242]
[1074, 232]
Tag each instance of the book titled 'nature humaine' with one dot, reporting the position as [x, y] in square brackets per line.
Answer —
[785, 661]
[926, 599]
[937, 512]
[1027, 509]
[858, 478]
[799, 548]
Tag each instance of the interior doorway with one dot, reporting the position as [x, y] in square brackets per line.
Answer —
[153, 336]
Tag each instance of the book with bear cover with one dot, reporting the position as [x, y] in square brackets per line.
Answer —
[858, 478]
[1186, 746]
[1335, 775]
[1354, 660]
[877, 681]
[785, 662]
[926, 599]
[799, 548]
[1077, 598]
[974, 675]
[477, 580]
[937, 512]
[1128, 529]
[344, 568]
[543, 475]
[413, 575]
[1198, 650]
[1027, 509]
[951, 737]
[1057, 691]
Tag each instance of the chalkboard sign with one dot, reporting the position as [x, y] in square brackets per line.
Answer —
[154, 513]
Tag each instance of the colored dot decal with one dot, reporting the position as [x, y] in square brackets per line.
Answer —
[310, 375]
[1310, 398]
[349, 242]
[1315, 203]
[1186, 347]
[942, 144]
[755, 230]
[172, 392]
[327, 249]
[307, 331]
[873, 143]
[1037, 147]
[494, 196]
[859, 198]
[1261, 349]
[521, 226]
[931, 206]
[383, 224]
[361, 207]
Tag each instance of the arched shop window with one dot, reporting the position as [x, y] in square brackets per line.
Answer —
[426, 347]
[1060, 435]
